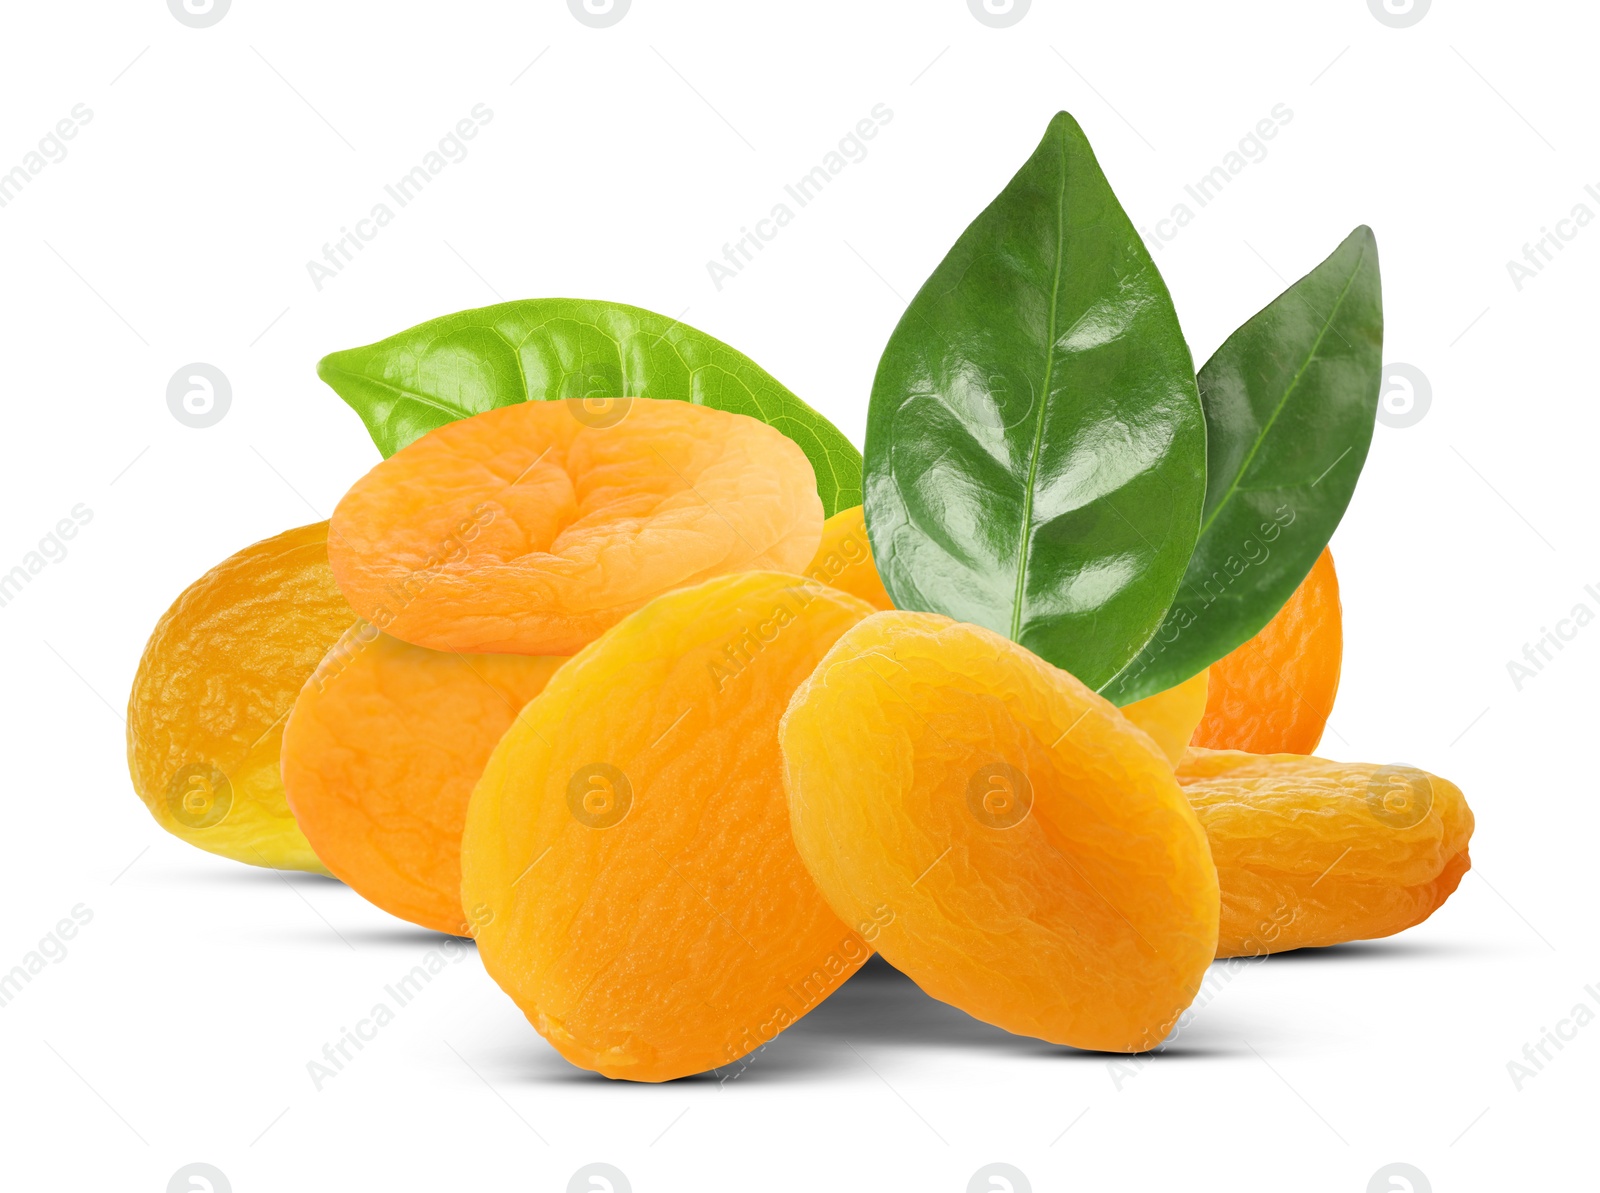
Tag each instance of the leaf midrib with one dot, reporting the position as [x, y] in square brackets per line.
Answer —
[405, 394]
[1025, 536]
[1283, 402]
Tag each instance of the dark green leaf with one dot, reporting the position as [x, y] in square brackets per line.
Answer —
[1290, 400]
[552, 348]
[1035, 456]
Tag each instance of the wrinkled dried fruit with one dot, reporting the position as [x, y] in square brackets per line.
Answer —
[1170, 717]
[219, 675]
[1023, 850]
[1311, 852]
[533, 528]
[380, 755]
[1273, 695]
[844, 559]
[629, 840]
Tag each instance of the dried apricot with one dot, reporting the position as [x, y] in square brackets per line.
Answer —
[844, 559]
[1311, 852]
[629, 840]
[381, 753]
[1170, 717]
[1273, 694]
[1024, 851]
[532, 528]
[219, 675]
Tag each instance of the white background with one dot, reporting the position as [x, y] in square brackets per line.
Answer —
[219, 161]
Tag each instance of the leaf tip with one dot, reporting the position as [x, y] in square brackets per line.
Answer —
[1064, 124]
[328, 366]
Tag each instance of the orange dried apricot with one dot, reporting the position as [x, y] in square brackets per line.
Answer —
[629, 840]
[219, 675]
[1311, 852]
[380, 755]
[532, 528]
[1273, 694]
[1024, 851]
[1170, 717]
[844, 559]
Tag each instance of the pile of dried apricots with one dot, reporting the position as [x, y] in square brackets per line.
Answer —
[611, 695]
[751, 771]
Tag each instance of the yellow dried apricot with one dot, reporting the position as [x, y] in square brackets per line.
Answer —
[219, 675]
[1273, 694]
[380, 755]
[1170, 717]
[1024, 851]
[532, 528]
[629, 840]
[844, 559]
[1311, 852]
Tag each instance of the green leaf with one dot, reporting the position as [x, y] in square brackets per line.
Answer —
[539, 349]
[1035, 457]
[1290, 400]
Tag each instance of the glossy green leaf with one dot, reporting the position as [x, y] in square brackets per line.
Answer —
[1035, 458]
[1290, 401]
[558, 348]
